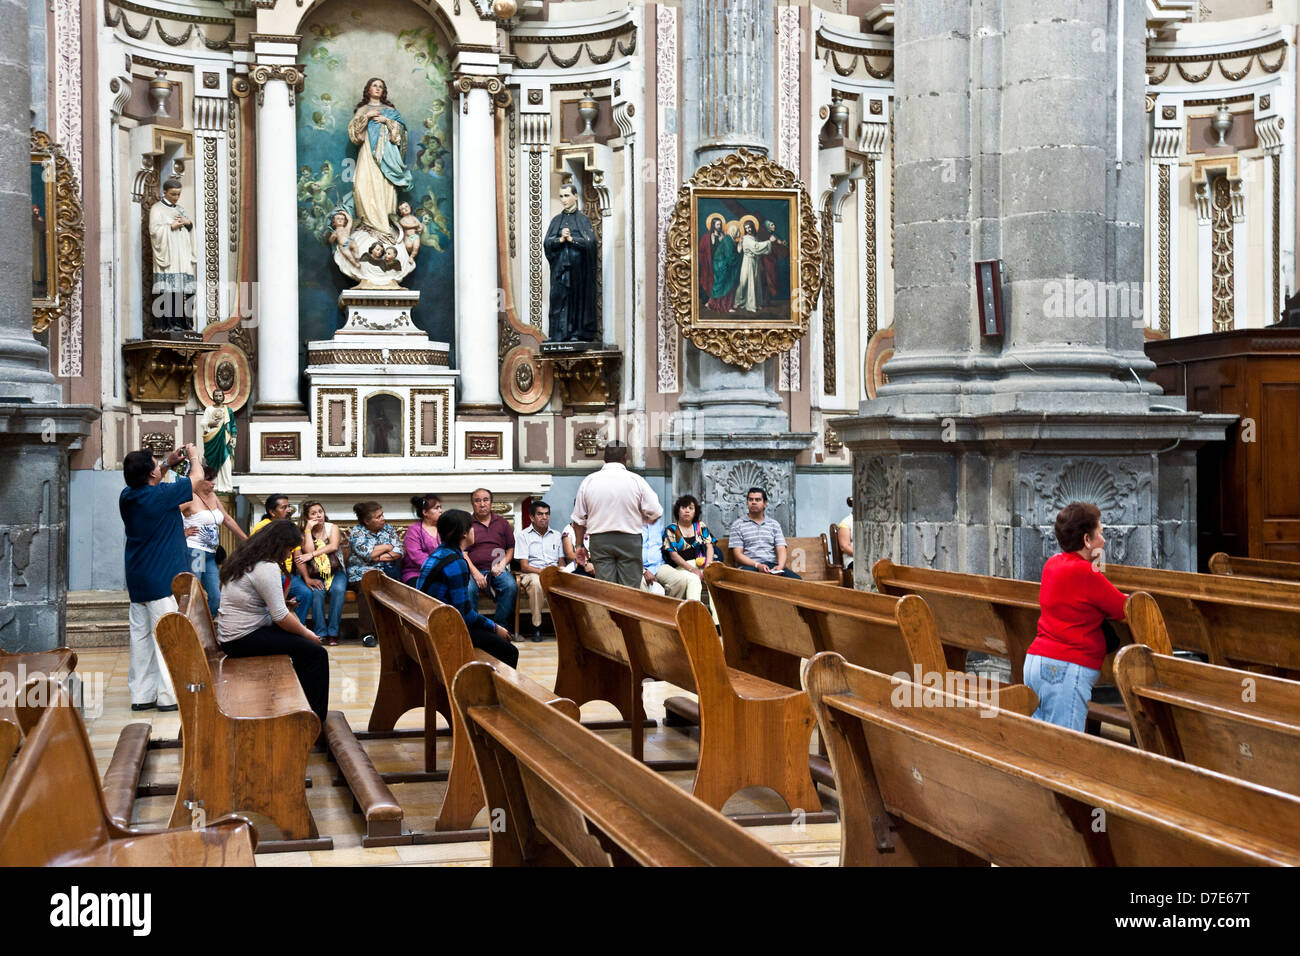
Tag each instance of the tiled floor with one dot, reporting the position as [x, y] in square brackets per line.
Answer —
[354, 674]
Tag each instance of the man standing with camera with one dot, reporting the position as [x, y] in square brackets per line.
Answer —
[155, 553]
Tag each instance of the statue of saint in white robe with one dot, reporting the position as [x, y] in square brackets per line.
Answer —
[381, 167]
[174, 260]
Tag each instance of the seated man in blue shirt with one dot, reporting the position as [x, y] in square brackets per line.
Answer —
[155, 553]
[445, 576]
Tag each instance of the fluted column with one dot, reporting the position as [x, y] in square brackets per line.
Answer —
[278, 342]
[476, 243]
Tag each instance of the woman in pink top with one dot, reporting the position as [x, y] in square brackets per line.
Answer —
[421, 538]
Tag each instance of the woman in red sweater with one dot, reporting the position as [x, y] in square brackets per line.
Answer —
[1064, 661]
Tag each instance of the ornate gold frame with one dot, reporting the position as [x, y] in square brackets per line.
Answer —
[740, 342]
[65, 231]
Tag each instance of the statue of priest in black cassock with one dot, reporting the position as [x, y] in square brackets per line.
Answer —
[571, 250]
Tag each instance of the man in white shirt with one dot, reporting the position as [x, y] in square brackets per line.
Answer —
[613, 505]
[538, 547]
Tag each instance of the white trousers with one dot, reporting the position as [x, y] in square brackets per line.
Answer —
[683, 585]
[147, 677]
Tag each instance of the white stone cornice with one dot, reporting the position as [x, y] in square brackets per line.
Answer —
[873, 136]
[534, 130]
[624, 119]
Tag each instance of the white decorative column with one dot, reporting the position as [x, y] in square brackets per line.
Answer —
[789, 144]
[1204, 261]
[476, 242]
[277, 246]
[211, 102]
[1166, 147]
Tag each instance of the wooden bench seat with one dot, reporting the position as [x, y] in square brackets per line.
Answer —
[948, 781]
[753, 731]
[570, 798]
[246, 726]
[422, 644]
[999, 616]
[52, 810]
[10, 736]
[1243, 725]
[810, 558]
[1234, 621]
[1265, 570]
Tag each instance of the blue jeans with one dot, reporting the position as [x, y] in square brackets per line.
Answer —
[299, 591]
[504, 590]
[204, 567]
[338, 592]
[1063, 690]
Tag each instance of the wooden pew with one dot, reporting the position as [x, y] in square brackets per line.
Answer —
[1223, 564]
[1240, 724]
[989, 615]
[1235, 621]
[18, 671]
[52, 811]
[946, 780]
[753, 732]
[815, 562]
[769, 625]
[422, 644]
[569, 798]
[246, 725]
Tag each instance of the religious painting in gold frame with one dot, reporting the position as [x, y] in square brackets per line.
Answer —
[744, 259]
[58, 231]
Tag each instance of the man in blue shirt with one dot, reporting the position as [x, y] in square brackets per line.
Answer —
[155, 553]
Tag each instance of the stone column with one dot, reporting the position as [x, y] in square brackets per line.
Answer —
[732, 431]
[476, 244]
[278, 342]
[1020, 129]
[36, 430]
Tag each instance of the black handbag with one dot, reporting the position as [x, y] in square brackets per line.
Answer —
[1112, 637]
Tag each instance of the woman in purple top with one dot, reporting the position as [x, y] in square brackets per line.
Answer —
[421, 538]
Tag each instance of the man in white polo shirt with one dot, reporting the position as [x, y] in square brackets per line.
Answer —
[538, 547]
[613, 505]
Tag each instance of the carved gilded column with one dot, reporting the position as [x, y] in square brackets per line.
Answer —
[1166, 147]
[211, 103]
[535, 138]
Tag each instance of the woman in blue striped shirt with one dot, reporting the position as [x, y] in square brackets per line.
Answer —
[445, 576]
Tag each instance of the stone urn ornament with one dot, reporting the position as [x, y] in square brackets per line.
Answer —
[1222, 123]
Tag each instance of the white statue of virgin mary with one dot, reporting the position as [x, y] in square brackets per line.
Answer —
[379, 133]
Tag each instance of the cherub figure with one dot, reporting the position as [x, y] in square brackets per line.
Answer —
[411, 229]
[341, 235]
[375, 254]
[390, 261]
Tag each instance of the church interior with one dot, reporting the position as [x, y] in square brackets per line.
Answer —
[955, 288]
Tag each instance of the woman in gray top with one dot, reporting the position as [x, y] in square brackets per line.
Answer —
[254, 619]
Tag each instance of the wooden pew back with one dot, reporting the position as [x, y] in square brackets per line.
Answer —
[769, 623]
[1235, 621]
[1240, 724]
[943, 779]
[977, 612]
[1265, 570]
[52, 810]
[571, 798]
[21, 670]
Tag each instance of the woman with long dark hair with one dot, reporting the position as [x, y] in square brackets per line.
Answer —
[322, 569]
[254, 620]
[203, 517]
[445, 576]
[421, 538]
[1064, 661]
[379, 132]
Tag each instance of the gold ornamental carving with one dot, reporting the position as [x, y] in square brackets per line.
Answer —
[62, 232]
[462, 83]
[742, 340]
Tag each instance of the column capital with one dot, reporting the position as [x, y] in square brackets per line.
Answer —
[292, 74]
[465, 83]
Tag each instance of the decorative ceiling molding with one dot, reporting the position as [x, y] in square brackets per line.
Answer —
[115, 17]
[1270, 57]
